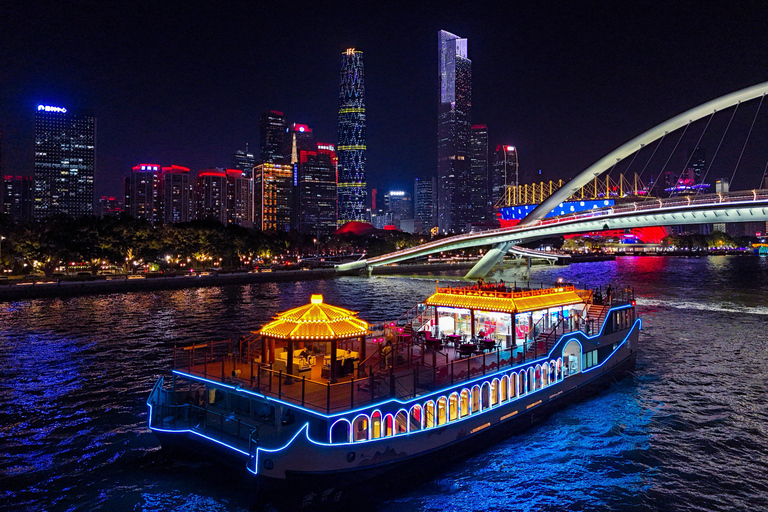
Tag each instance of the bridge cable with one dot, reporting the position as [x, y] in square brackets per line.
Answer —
[649, 161]
[703, 178]
[747, 140]
[762, 178]
[699, 141]
[661, 172]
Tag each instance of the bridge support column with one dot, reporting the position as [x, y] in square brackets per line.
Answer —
[487, 262]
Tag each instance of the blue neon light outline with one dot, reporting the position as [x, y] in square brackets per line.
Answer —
[190, 431]
[394, 423]
[335, 445]
[255, 470]
[330, 430]
[421, 421]
[637, 322]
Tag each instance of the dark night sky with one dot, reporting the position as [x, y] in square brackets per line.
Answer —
[184, 83]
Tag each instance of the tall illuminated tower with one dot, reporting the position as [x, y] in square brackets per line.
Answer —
[65, 156]
[351, 147]
[453, 133]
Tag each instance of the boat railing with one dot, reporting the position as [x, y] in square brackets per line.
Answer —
[224, 426]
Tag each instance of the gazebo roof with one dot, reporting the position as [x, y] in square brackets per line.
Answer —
[316, 321]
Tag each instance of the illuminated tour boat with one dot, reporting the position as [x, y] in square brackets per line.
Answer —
[317, 400]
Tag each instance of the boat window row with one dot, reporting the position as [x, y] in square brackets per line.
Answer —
[590, 359]
[446, 409]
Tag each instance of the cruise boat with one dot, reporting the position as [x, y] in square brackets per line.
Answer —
[318, 402]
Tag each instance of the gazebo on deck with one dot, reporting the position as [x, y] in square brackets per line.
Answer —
[311, 324]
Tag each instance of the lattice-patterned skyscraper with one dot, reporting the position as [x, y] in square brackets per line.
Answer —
[351, 147]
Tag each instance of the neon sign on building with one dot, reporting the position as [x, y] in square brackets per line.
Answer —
[48, 108]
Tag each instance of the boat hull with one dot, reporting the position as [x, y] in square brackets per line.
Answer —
[325, 489]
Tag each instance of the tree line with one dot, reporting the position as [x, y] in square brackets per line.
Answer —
[130, 243]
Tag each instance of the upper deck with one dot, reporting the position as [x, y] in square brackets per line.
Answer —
[411, 357]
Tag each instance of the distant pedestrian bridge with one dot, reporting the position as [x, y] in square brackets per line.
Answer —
[703, 209]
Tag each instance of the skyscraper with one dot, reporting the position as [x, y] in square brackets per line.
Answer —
[272, 133]
[453, 132]
[273, 197]
[478, 175]
[211, 195]
[65, 156]
[424, 204]
[351, 147]
[244, 161]
[143, 193]
[178, 197]
[316, 190]
[16, 200]
[505, 172]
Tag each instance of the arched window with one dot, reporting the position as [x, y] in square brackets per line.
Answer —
[376, 425]
[389, 425]
[504, 388]
[340, 431]
[485, 399]
[559, 368]
[360, 428]
[401, 422]
[494, 392]
[571, 358]
[442, 405]
[531, 382]
[415, 418]
[545, 375]
[453, 407]
[429, 414]
[464, 402]
[475, 399]
[537, 378]
[553, 372]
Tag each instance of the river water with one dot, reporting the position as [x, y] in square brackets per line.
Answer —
[688, 432]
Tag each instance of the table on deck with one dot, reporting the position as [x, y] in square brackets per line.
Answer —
[454, 339]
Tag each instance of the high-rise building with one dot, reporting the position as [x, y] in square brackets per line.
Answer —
[271, 136]
[17, 198]
[110, 206]
[424, 204]
[505, 172]
[273, 196]
[453, 132]
[239, 198]
[316, 190]
[244, 161]
[478, 175]
[177, 195]
[211, 195]
[399, 203]
[298, 138]
[143, 193]
[65, 156]
[352, 141]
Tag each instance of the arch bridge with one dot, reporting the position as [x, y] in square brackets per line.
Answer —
[701, 209]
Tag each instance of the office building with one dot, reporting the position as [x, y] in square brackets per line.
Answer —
[478, 175]
[505, 172]
[244, 161]
[316, 190]
[424, 204]
[142, 193]
[399, 203]
[211, 195]
[271, 137]
[239, 198]
[352, 140]
[110, 206]
[65, 156]
[453, 132]
[273, 196]
[177, 195]
[17, 198]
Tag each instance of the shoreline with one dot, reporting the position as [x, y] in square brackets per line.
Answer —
[126, 284]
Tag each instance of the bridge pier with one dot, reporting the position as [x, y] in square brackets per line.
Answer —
[487, 262]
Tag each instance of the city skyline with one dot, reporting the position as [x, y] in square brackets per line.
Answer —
[567, 86]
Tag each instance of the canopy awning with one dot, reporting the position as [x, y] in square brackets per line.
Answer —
[316, 321]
